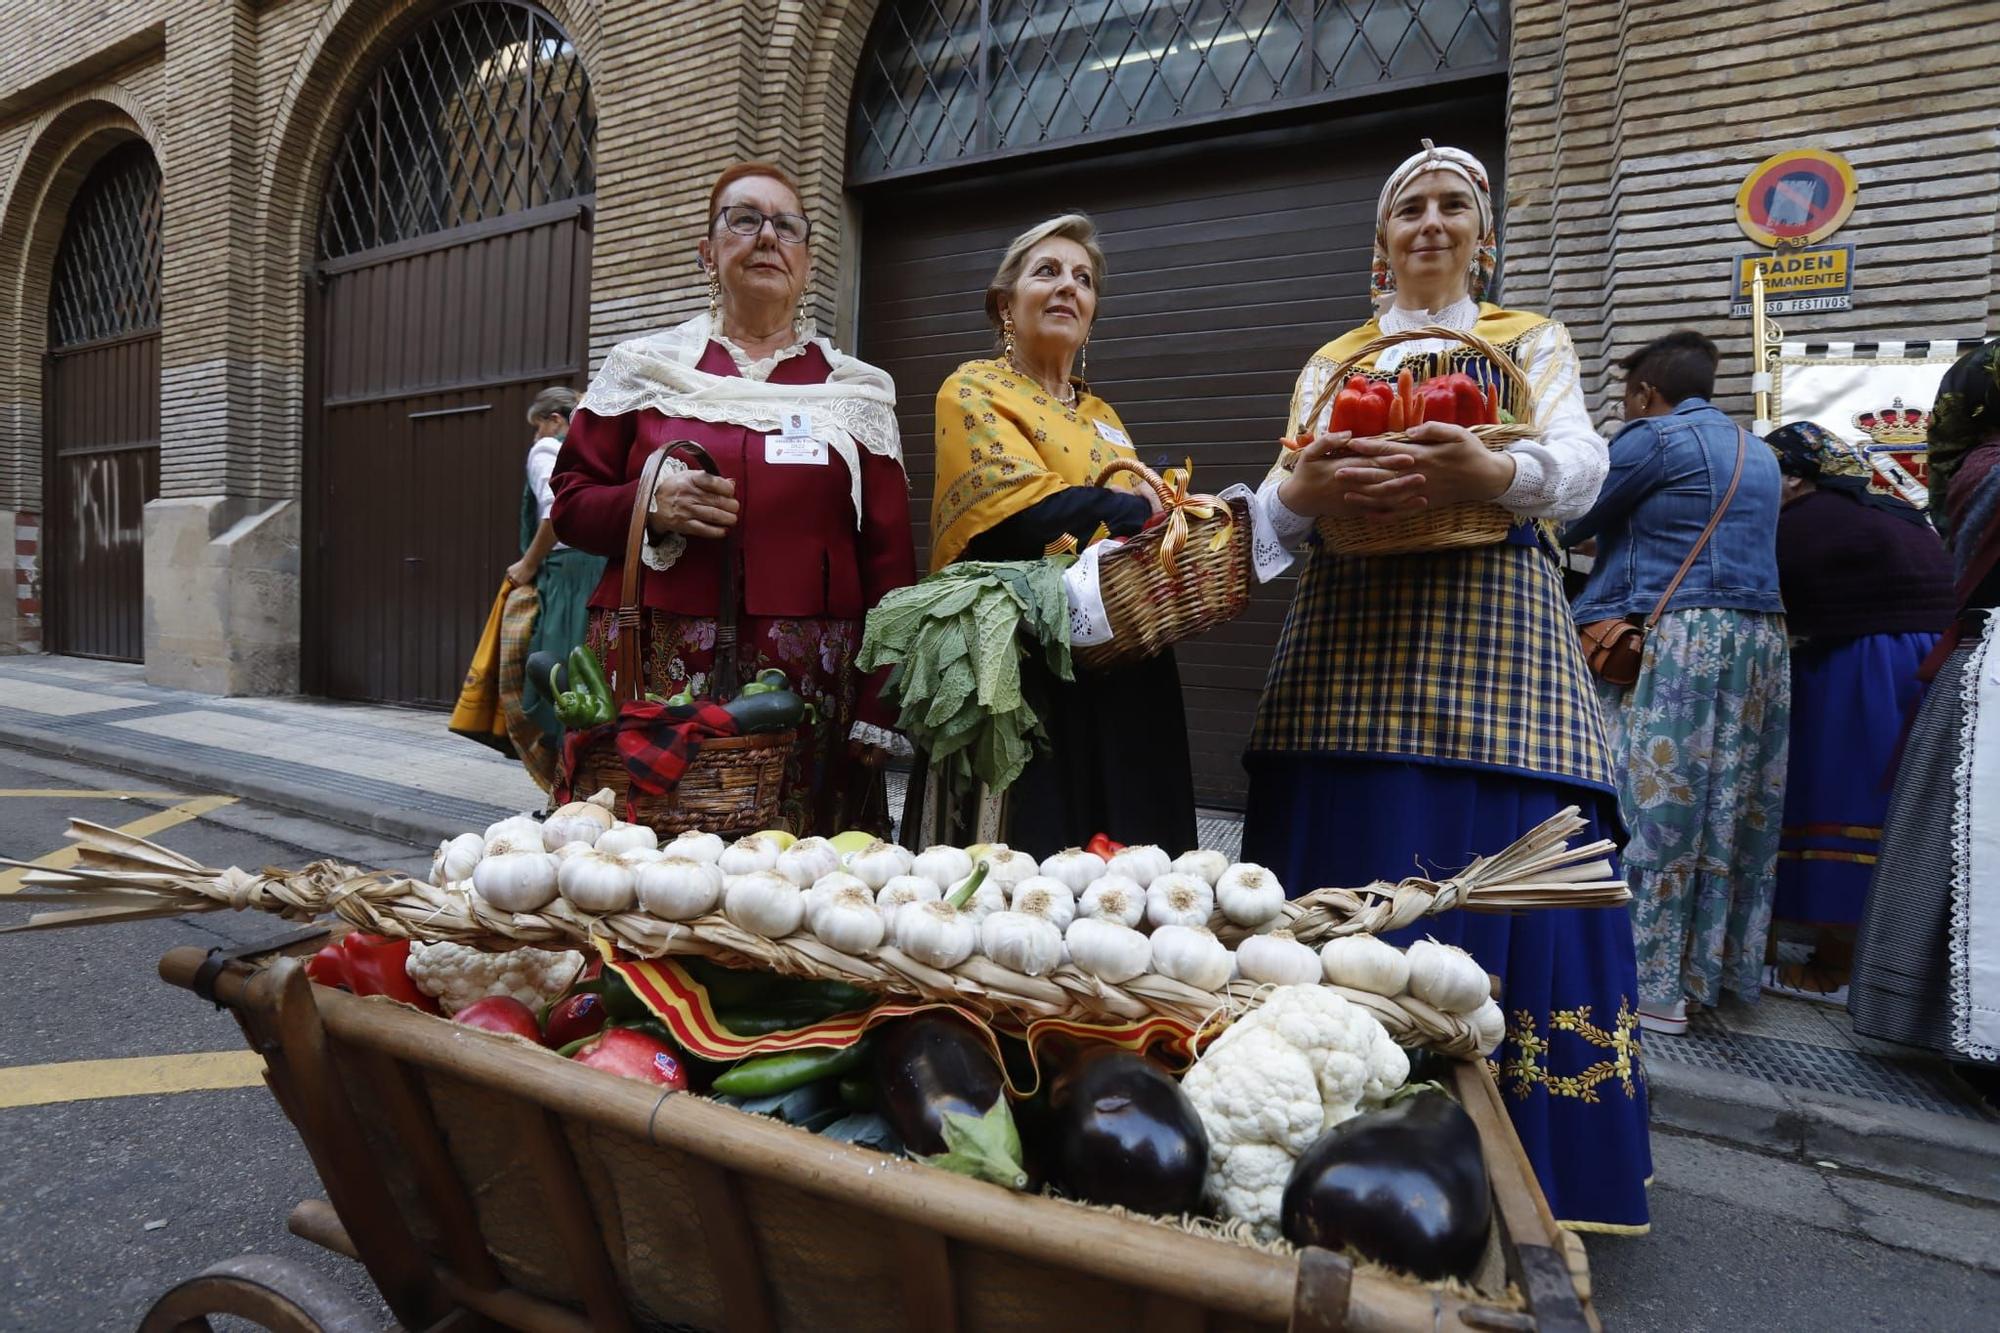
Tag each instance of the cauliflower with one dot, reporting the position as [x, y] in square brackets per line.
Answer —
[1281, 1076]
[458, 975]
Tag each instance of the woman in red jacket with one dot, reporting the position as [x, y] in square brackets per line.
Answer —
[812, 480]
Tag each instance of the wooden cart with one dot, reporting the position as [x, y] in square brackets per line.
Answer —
[485, 1184]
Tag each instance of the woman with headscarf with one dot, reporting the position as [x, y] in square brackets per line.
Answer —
[1927, 966]
[812, 475]
[1020, 440]
[1867, 588]
[1435, 706]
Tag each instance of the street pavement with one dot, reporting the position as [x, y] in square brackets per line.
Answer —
[112, 1189]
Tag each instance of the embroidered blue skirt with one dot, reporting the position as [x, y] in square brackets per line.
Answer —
[1569, 1069]
[1849, 699]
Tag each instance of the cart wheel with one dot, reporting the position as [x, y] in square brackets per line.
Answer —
[274, 1294]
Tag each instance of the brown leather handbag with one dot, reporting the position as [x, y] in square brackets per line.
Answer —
[1615, 648]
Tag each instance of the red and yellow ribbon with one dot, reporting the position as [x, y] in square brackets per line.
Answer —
[1180, 508]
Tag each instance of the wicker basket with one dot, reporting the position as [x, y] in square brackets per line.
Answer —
[1156, 595]
[1453, 527]
[732, 783]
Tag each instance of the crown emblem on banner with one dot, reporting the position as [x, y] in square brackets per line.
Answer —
[1895, 424]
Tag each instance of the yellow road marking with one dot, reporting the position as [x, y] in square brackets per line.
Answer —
[157, 822]
[139, 1076]
[78, 792]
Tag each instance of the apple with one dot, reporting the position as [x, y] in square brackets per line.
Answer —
[851, 841]
[632, 1054]
[501, 1013]
[574, 1016]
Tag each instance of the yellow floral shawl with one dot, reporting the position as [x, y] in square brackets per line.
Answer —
[1003, 444]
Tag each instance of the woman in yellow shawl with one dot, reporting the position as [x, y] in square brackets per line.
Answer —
[1020, 440]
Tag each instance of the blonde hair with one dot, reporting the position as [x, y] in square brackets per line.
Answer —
[1070, 227]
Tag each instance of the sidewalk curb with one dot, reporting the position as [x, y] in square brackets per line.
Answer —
[414, 827]
[1947, 1153]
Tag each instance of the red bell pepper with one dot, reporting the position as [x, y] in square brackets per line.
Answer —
[1100, 844]
[366, 964]
[1454, 399]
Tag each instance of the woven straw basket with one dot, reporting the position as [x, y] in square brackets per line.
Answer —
[732, 784]
[1453, 527]
[1154, 602]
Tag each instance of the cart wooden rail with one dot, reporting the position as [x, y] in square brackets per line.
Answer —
[483, 1184]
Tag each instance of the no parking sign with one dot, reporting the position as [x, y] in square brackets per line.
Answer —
[1796, 198]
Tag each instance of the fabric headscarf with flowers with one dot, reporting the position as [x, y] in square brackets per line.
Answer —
[1809, 450]
[1453, 161]
[1965, 416]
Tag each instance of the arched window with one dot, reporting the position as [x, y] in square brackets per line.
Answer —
[950, 79]
[485, 111]
[107, 275]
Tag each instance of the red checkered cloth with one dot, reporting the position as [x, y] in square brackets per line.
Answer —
[656, 742]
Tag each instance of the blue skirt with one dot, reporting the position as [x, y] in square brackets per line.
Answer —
[1569, 1069]
[1849, 699]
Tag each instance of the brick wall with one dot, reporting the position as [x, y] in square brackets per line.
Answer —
[1634, 122]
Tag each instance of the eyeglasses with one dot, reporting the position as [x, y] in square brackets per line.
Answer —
[747, 221]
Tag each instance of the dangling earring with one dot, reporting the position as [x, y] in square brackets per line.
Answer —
[714, 300]
[1083, 361]
[800, 320]
[1007, 334]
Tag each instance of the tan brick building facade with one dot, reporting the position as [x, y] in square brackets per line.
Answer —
[1629, 125]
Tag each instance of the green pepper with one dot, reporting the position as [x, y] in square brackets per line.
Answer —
[857, 1091]
[769, 1075]
[685, 699]
[757, 687]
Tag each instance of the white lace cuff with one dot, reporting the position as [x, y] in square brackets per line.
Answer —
[895, 742]
[661, 552]
[1276, 530]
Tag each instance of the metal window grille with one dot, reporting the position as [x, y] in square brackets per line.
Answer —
[486, 111]
[107, 274]
[948, 79]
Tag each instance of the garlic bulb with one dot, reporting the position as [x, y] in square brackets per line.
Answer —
[905, 889]
[516, 827]
[569, 849]
[1045, 898]
[1113, 897]
[1007, 868]
[639, 856]
[1074, 868]
[1446, 977]
[523, 881]
[935, 933]
[748, 855]
[597, 882]
[763, 902]
[694, 845]
[579, 821]
[826, 886]
[1028, 944]
[1249, 895]
[1206, 864]
[1142, 864]
[988, 898]
[676, 888]
[620, 838]
[878, 863]
[1177, 899]
[942, 865]
[1191, 954]
[456, 858]
[846, 918]
[1489, 1026]
[1106, 950]
[807, 860]
[1362, 962]
[1279, 959]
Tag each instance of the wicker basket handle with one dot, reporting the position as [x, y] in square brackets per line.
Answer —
[1501, 362]
[1139, 470]
[628, 683]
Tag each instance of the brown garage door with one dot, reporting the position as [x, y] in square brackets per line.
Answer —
[1231, 260]
[101, 400]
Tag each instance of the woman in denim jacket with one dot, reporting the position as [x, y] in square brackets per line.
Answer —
[1698, 741]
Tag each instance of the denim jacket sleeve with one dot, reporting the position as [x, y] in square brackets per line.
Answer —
[1638, 467]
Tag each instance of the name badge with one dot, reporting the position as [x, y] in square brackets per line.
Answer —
[794, 449]
[1112, 434]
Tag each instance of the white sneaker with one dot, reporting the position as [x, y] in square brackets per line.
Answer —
[1671, 1020]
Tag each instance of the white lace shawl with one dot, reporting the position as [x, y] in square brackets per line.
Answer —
[854, 409]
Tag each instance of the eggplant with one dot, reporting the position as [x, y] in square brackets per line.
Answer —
[941, 1089]
[1124, 1133]
[1404, 1185]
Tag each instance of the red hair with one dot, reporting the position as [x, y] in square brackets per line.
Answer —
[742, 171]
